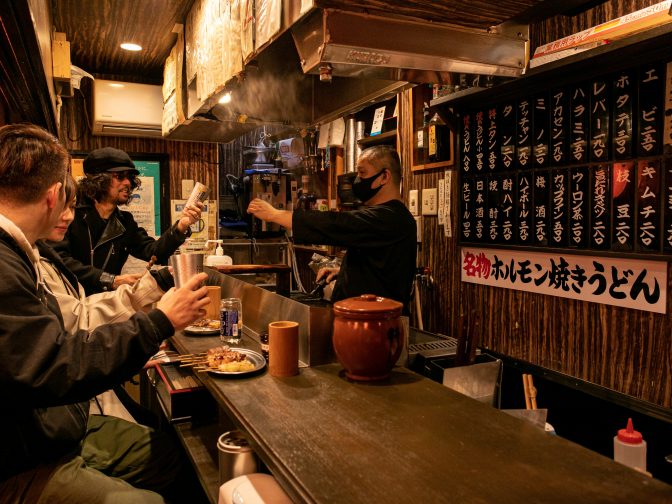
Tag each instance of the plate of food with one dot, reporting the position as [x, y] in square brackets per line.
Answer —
[225, 360]
[205, 326]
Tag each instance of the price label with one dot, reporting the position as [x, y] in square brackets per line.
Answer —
[378, 117]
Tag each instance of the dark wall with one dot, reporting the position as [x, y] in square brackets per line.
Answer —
[624, 350]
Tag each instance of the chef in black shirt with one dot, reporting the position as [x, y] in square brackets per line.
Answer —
[380, 237]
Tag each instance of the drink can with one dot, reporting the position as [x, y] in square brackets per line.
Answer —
[230, 320]
[199, 193]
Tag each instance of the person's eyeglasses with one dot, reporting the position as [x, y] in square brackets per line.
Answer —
[121, 175]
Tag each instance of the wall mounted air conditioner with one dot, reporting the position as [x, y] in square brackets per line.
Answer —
[127, 109]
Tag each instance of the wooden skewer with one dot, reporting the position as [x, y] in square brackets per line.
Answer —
[533, 391]
[195, 363]
[528, 404]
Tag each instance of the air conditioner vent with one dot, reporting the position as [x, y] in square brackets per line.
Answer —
[127, 109]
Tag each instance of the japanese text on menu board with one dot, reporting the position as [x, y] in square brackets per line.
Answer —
[627, 283]
[587, 166]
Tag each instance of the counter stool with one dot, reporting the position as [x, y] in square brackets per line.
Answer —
[255, 488]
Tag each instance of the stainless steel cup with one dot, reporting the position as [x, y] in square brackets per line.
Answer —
[236, 457]
[185, 266]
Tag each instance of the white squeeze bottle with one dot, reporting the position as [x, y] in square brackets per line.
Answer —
[630, 448]
[218, 258]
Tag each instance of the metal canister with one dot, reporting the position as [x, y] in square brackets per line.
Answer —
[230, 320]
[236, 457]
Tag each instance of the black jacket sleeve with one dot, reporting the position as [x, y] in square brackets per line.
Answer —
[44, 365]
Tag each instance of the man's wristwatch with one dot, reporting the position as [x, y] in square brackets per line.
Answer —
[107, 281]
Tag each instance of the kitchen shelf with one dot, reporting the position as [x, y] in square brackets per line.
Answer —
[641, 48]
[418, 96]
[429, 166]
[383, 138]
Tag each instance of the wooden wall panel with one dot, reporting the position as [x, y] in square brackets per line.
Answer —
[557, 27]
[624, 350]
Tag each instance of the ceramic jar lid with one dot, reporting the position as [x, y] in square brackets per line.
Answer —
[368, 306]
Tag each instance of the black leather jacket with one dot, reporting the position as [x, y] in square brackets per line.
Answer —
[96, 264]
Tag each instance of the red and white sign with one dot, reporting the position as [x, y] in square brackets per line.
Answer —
[629, 283]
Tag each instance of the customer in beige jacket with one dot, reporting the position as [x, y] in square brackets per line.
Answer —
[88, 312]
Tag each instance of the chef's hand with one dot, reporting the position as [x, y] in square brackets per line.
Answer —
[187, 304]
[328, 273]
[129, 279]
[262, 209]
[190, 215]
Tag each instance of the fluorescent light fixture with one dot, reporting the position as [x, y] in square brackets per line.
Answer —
[226, 98]
[131, 47]
[116, 85]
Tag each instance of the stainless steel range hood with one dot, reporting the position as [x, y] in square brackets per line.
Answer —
[350, 44]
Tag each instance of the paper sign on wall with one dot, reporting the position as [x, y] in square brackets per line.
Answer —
[378, 118]
[447, 215]
[442, 201]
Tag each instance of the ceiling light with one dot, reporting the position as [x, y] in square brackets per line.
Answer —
[131, 47]
[226, 98]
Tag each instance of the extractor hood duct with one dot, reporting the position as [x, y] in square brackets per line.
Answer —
[350, 44]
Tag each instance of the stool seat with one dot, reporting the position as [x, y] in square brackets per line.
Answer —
[255, 488]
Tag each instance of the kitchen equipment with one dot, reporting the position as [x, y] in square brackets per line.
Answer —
[236, 457]
[271, 185]
[346, 198]
[185, 266]
[258, 155]
[368, 336]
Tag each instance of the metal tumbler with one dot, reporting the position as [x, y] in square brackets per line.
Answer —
[185, 266]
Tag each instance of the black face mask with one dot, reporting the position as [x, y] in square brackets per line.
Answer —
[361, 187]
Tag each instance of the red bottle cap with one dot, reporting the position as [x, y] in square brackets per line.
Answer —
[629, 434]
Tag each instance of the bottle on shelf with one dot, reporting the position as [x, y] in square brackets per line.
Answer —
[422, 134]
[438, 147]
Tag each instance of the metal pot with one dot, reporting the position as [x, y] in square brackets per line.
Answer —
[258, 155]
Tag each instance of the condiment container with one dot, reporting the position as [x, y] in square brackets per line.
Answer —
[630, 447]
[368, 336]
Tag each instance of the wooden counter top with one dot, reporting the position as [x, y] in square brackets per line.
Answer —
[330, 440]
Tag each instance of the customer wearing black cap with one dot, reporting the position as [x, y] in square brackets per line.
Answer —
[102, 236]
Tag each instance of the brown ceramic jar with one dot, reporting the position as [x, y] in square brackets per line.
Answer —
[368, 336]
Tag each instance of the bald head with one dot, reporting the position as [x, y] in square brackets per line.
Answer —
[383, 157]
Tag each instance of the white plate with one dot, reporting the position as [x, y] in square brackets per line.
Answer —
[254, 357]
[194, 329]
